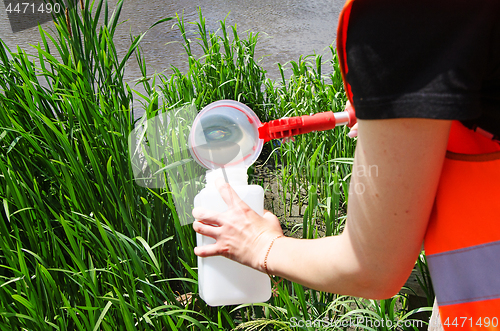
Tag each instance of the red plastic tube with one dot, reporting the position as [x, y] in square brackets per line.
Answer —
[292, 126]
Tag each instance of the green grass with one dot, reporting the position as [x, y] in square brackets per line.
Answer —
[83, 246]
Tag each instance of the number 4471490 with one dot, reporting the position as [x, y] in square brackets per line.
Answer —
[469, 322]
[32, 8]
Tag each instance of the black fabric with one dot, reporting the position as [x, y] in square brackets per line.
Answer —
[426, 59]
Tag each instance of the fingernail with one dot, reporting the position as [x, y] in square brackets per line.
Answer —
[352, 133]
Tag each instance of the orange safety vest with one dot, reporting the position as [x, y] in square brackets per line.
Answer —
[462, 242]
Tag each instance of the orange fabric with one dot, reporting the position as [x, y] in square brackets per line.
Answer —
[341, 44]
[466, 213]
[472, 315]
[465, 141]
[466, 198]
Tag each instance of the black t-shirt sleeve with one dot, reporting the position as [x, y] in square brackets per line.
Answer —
[422, 58]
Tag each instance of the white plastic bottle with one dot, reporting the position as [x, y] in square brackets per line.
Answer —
[222, 281]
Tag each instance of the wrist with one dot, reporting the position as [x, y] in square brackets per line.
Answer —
[265, 264]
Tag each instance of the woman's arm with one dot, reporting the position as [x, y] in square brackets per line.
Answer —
[395, 176]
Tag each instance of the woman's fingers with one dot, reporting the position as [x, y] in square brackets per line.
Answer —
[240, 233]
[206, 216]
[354, 131]
[206, 229]
[207, 250]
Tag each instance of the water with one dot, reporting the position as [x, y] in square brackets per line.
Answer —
[223, 137]
[288, 29]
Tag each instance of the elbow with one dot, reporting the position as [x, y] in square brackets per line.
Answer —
[385, 292]
[379, 285]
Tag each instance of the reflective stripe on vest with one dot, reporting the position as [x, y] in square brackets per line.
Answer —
[462, 242]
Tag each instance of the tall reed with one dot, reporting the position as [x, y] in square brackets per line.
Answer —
[83, 247]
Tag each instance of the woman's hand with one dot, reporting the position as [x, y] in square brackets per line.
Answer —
[240, 233]
[354, 130]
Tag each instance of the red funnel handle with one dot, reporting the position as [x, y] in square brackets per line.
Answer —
[292, 126]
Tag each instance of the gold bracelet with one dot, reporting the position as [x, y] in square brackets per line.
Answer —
[267, 254]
